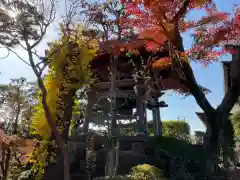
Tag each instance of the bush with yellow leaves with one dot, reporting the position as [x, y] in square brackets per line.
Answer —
[146, 172]
[69, 70]
[140, 172]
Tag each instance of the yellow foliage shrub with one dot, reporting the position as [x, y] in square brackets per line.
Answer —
[146, 172]
[68, 59]
[140, 172]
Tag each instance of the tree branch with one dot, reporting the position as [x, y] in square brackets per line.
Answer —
[229, 99]
[48, 115]
[10, 50]
[191, 82]
[181, 12]
[4, 57]
[195, 90]
[44, 25]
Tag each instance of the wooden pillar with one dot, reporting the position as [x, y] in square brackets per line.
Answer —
[111, 155]
[141, 117]
[113, 89]
[145, 118]
[91, 101]
[154, 117]
[157, 123]
[108, 122]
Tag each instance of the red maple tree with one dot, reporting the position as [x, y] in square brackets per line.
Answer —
[13, 150]
[215, 34]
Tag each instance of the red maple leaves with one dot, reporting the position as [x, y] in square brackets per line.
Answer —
[211, 39]
[161, 20]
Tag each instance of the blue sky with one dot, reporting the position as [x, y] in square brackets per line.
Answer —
[210, 77]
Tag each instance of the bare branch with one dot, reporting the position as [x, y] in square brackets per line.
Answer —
[43, 25]
[8, 53]
[11, 50]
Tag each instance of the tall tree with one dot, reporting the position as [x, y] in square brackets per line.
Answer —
[24, 24]
[18, 98]
[161, 21]
[108, 19]
[178, 129]
[68, 71]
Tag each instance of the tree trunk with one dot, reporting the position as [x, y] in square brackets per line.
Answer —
[211, 147]
[60, 142]
[66, 107]
[219, 135]
[64, 115]
[16, 119]
[55, 170]
[216, 118]
[48, 115]
[228, 143]
[6, 164]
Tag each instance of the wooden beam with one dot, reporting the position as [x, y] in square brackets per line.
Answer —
[119, 117]
[130, 153]
[119, 83]
[119, 93]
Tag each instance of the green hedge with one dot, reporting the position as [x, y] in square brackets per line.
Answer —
[177, 148]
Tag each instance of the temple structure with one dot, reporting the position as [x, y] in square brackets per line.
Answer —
[125, 83]
[120, 87]
[129, 93]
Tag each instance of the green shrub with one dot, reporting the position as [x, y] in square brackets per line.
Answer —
[146, 172]
[184, 149]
